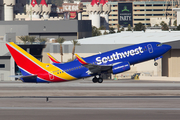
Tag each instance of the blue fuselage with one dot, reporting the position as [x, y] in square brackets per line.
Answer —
[133, 54]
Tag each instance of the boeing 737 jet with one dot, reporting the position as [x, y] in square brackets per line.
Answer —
[115, 61]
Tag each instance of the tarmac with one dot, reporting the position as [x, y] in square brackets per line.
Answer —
[123, 87]
[124, 99]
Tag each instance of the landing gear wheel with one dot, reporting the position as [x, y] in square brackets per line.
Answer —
[95, 80]
[100, 80]
[155, 64]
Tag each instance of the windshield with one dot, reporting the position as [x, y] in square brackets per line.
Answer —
[160, 44]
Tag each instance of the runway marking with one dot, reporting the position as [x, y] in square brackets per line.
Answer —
[73, 108]
[97, 97]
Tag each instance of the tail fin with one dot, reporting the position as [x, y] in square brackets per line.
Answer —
[28, 64]
[32, 69]
[81, 60]
[52, 58]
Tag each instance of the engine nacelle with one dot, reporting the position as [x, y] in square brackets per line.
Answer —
[121, 67]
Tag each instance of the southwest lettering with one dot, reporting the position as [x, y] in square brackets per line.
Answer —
[116, 56]
[132, 52]
[140, 49]
[110, 59]
[104, 60]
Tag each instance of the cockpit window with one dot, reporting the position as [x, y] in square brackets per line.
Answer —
[159, 44]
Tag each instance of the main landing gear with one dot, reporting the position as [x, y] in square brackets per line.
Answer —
[99, 80]
[155, 63]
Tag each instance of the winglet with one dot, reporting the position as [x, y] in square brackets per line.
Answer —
[52, 58]
[81, 60]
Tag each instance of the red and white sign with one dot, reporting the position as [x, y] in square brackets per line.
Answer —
[70, 7]
[72, 15]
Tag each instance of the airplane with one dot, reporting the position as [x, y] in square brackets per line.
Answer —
[114, 61]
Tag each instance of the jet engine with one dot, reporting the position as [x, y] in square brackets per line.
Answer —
[121, 67]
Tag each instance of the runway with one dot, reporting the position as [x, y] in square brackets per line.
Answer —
[85, 87]
[89, 115]
[77, 100]
[90, 108]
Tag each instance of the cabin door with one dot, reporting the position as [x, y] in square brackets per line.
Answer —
[150, 48]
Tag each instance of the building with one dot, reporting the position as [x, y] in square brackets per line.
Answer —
[68, 29]
[99, 13]
[8, 8]
[142, 11]
[7, 64]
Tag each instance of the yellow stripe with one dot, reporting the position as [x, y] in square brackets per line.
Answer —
[80, 58]
[46, 66]
[52, 57]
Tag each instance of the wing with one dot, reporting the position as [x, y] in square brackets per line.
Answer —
[52, 58]
[94, 69]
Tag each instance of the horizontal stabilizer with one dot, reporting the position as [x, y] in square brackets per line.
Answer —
[16, 76]
[29, 78]
[81, 60]
[52, 58]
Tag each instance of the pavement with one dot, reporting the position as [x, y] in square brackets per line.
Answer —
[126, 87]
[124, 99]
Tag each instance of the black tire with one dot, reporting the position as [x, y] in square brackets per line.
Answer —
[155, 64]
[100, 80]
[95, 80]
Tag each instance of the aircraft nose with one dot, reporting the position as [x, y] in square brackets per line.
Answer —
[167, 47]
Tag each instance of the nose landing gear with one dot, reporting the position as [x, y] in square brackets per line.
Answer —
[99, 80]
[155, 64]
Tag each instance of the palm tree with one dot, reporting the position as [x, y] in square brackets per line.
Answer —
[24, 38]
[27, 38]
[118, 28]
[164, 26]
[96, 31]
[60, 41]
[111, 30]
[129, 28]
[75, 42]
[139, 27]
[42, 40]
[31, 39]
